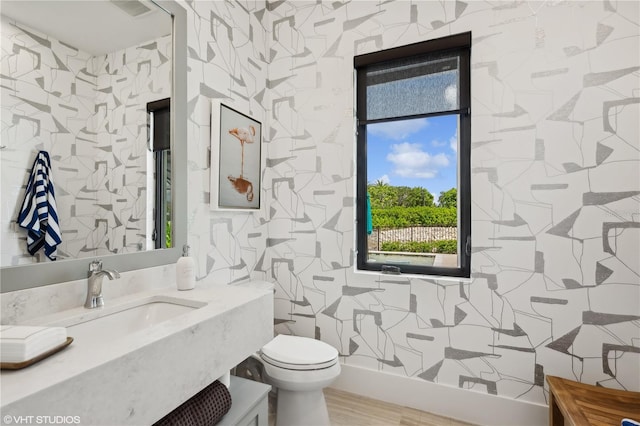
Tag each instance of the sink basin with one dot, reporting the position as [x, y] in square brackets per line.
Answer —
[114, 322]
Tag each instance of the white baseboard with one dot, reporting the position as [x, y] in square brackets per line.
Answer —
[466, 405]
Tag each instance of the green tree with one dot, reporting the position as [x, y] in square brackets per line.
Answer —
[414, 197]
[382, 195]
[448, 198]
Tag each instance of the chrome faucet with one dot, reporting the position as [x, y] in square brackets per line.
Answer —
[94, 292]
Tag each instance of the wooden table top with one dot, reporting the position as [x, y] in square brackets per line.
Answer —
[583, 404]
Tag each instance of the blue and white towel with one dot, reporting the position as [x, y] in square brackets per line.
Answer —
[39, 214]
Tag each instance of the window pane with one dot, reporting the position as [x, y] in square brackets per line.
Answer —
[412, 184]
[412, 87]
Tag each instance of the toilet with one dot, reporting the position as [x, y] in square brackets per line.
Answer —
[300, 367]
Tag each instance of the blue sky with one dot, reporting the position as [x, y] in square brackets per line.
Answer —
[419, 152]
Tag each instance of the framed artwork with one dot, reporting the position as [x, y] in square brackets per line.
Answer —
[236, 159]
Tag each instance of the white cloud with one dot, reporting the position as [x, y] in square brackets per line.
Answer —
[453, 142]
[411, 161]
[383, 179]
[398, 130]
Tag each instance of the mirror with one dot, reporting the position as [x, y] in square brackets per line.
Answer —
[98, 143]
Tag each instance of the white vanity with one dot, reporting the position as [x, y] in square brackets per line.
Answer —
[112, 374]
[151, 347]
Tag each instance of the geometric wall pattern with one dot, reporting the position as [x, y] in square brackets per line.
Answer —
[89, 113]
[555, 285]
[555, 157]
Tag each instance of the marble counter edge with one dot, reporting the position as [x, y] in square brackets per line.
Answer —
[223, 302]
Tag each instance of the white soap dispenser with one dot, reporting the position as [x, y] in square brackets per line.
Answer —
[185, 271]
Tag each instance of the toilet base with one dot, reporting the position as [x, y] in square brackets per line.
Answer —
[296, 408]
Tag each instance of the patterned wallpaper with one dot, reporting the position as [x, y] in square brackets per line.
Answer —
[555, 286]
[89, 113]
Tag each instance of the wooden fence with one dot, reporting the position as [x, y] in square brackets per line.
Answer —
[414, 233]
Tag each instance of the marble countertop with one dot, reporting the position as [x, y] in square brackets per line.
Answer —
[193, 349]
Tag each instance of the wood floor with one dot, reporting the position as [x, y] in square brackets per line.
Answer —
[347, 409]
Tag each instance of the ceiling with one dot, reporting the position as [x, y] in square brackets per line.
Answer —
[93, 26]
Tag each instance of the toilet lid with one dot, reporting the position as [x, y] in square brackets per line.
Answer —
[291, 351]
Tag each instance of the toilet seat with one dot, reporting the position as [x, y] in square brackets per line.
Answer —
[299, 353]
[301, 367]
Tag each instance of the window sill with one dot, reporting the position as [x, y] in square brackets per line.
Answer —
[378, 275]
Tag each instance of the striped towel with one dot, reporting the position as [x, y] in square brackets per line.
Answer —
[369, 220]
[39, 215]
